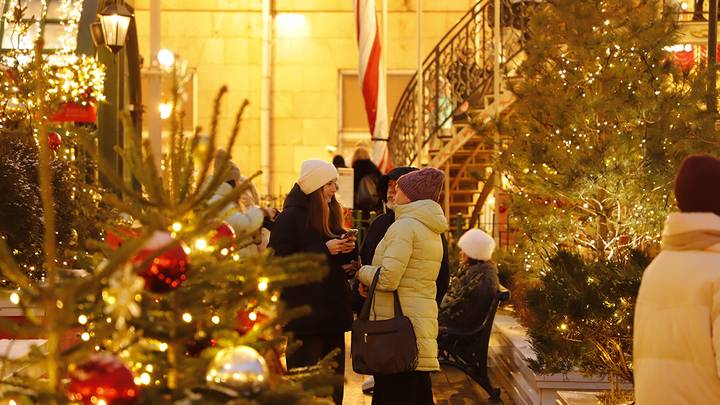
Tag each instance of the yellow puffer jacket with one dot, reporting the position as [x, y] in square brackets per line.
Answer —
[409, 257]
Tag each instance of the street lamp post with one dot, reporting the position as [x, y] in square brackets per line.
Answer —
[114, 21]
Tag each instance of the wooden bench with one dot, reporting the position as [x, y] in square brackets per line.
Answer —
[467, 349]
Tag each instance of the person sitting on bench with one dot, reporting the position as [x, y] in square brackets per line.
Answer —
[474, 286]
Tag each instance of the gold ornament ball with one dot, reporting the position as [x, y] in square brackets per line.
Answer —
[241, 368]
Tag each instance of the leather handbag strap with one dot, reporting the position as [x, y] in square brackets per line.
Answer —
[365, 311]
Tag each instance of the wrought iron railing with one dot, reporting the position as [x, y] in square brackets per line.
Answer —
[457, 74]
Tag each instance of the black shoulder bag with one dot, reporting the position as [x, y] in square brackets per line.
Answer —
[383, 347]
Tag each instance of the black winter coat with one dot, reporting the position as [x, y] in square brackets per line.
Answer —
[364, 168]
[329, 298]
[470, 296]
[375, 233]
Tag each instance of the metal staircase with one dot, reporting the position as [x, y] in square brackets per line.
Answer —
[458, 100]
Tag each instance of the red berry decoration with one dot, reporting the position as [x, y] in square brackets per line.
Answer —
[223, 234]
[167, 270]
[103, 377]
[247, 319]
[54, 140]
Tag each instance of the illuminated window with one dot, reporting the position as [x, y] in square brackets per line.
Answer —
[55, 20]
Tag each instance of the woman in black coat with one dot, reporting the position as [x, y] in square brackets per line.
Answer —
[311, 222]
[365, 171]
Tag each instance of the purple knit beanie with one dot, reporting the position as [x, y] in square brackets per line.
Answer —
[424, 184]
[697, 185]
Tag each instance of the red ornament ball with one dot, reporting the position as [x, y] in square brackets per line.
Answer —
[102, 377]
[223, 234]
[167, 270]
[54, 140]
[246, 320]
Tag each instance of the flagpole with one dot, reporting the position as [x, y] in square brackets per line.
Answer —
[419, 90]
[384, 43]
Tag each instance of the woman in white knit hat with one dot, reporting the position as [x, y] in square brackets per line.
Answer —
[312, 222]
[473, 287]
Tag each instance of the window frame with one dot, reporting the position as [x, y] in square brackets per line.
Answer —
[42, 23]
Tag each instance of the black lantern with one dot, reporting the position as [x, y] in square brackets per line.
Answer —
[97, 34]
[115, 20]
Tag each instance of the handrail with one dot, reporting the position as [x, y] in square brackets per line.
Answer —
[457, 72]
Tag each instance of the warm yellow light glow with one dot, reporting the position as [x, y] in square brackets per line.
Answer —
[15, 298]
[166, 58]
[187, 317]
[215, 319]
[201, 244]
[563, 326]
[291, 25]
[102, 402]
[163, 346]
[149, 368]
[85, 336]
[165, 110]
[263, 284]
[177, 226]
[252, 316]
[82, 319]
[145, 378]
[224, 251]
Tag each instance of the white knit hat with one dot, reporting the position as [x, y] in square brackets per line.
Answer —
[315, 173]
[477, 245]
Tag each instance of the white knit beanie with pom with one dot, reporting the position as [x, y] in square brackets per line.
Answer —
[315, 173]
[477, 245]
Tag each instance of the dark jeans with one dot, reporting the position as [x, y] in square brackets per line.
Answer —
[314, 348]
[414, 388]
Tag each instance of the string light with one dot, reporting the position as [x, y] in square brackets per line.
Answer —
[201, 244]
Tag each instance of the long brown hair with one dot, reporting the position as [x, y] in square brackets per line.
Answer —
[325, 217]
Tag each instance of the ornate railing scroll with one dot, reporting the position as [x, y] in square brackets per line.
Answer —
[457, 74]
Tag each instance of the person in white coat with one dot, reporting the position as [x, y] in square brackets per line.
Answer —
[676, 339]
[245, 221]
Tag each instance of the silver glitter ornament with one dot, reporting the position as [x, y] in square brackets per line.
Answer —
[241, 368]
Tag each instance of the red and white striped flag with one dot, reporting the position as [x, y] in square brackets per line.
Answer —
[372, 80]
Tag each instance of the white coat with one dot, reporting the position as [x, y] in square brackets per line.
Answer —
[676, 342]
[409, 257]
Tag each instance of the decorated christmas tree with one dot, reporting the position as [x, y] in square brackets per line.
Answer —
[58, 78]
[602, 118]
[162, 304]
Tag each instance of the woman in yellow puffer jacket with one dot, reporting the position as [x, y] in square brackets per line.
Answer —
[409, 258]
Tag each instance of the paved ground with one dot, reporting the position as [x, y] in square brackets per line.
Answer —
[450, 387]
